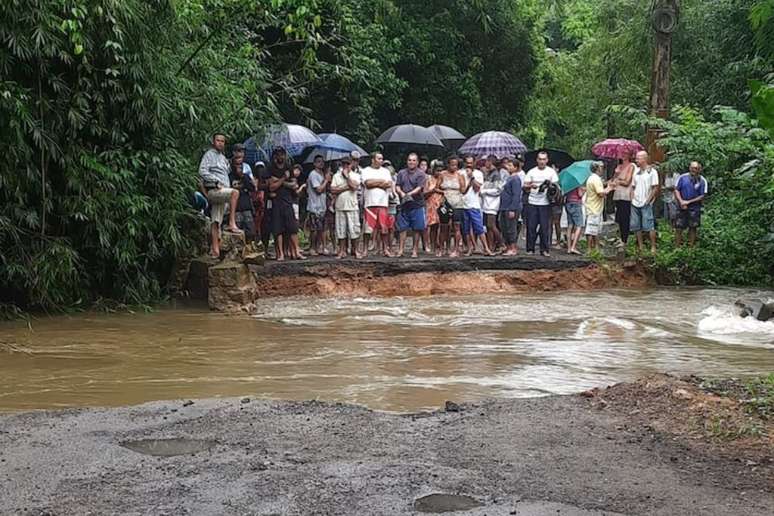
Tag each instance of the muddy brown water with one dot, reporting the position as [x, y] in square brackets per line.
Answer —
[395, 354]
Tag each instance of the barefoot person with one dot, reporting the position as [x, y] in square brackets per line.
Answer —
[573, 206]
[689, 194]
[316, 204]
[213, 171]
[645, 185]
[410, 186]
[378, 185]
[595, 203]
[510, 207]
[473, 222]
[494, 181]
[344, 187]
[282, 183]
[452, 183]
[433, 200]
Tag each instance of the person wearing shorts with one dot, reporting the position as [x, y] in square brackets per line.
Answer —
[472, 221]
[645, 185]
[573, 206]
[595, 203]
[344, 187]
[690, 190]
[213, 172]
[410, 186]
[378, 185]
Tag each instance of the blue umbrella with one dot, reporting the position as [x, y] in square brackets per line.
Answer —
[575, 176]
[333, 147]
[294, 138]
[338, 142]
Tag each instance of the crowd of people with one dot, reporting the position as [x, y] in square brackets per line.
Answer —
[453, 207]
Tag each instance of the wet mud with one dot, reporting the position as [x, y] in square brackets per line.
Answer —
[559, 454]
[361, 281]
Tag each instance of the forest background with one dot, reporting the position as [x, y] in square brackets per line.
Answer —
[106, 106]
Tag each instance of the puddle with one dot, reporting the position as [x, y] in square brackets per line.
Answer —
[437, 503]
[168, 447]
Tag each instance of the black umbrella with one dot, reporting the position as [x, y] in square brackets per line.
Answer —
[557, 158]
[409, 134]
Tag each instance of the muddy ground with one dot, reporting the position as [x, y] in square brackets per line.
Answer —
[615, 450]
[444, 277]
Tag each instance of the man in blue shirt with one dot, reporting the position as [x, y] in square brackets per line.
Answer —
[689, 194]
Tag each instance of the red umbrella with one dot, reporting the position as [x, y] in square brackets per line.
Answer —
[616, 148]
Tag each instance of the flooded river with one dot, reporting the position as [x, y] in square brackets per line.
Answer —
[387, 353]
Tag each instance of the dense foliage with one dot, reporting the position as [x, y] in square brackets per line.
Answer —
[105, 106]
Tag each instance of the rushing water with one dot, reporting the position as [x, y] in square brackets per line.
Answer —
[395, 354]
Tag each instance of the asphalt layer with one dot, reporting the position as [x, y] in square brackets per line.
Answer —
[553, 455]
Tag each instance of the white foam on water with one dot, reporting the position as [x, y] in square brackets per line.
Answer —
[723, 322]
[604, 326]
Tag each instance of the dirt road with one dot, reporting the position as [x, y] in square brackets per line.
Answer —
[554, 455]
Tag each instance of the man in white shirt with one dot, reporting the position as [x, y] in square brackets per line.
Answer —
[376, 199]
[537, 182]
[645, 184]
[472, 220]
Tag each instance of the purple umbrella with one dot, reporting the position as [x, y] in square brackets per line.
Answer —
[493, 143]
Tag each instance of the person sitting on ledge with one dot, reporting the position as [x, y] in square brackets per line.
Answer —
[213, 171]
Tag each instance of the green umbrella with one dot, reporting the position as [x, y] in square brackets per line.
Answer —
[575, 176]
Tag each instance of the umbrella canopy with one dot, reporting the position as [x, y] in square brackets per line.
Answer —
[327, 154]
[333, 147]
[338, 142]
[445, 133]
[557, 158]
[616, 148]
[409, 134]
[575, 176]
[294, 138]
[493, 143]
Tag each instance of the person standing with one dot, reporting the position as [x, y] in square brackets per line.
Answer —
[433, 200]
[494, 181]
[537, 182]
[378, 186]
[622, 196]
[595, 203]
[452, 183]
[573, 205]
[410, 186]
[283, 219]
[690, 190]
[344, 187]
[668, 198]
[241, 179]
[213, 171]
[472, 221]
[316, 204]
[645, 184]
[510, 207]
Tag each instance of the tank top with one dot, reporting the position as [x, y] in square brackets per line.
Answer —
[623, 193]
[451, 190]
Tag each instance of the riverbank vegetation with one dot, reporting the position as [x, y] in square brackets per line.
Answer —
[105, 108]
